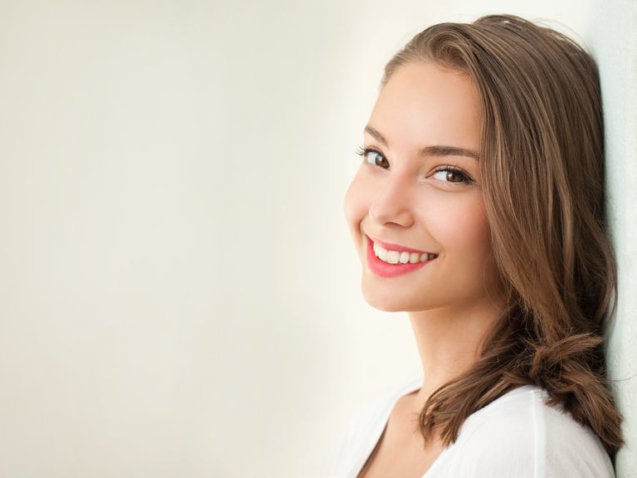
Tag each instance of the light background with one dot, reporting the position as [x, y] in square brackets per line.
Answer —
[178, 292]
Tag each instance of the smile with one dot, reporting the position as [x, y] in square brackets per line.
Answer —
[388, 260]
[402, 257]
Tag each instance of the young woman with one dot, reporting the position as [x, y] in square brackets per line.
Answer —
[479, 209]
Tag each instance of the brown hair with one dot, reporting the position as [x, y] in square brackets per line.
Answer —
[542, 164]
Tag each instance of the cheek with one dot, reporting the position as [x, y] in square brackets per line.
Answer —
[356, 203]
[461, 227]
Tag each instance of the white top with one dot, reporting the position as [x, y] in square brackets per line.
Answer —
[516, 436]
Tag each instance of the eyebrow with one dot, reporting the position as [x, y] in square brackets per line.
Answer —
[437, 150]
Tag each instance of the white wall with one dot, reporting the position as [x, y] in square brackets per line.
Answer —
[612, 34]
[178, 293]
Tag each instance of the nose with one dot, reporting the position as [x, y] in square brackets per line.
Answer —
[393, 204]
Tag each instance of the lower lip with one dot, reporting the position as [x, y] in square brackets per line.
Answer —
[383, 269]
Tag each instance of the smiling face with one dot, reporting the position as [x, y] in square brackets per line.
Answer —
[415, 207]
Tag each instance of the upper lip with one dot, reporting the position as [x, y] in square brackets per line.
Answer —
[394, 247]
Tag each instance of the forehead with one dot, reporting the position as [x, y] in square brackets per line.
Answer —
[424, 104]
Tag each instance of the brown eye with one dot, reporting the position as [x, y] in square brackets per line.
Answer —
[376, 159]
[452, 176]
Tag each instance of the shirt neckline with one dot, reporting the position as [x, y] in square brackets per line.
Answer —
[389, 408]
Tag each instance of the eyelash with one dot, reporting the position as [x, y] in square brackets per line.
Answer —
[464, 177]
[365, 151]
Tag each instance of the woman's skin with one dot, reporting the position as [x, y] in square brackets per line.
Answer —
[419, 187]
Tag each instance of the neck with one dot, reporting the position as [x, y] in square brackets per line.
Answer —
[449, 342]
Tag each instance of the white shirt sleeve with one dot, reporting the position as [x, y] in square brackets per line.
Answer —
[525, 438]
[516, 436]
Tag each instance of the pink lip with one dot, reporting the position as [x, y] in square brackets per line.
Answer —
[393, 247]
[383, 269]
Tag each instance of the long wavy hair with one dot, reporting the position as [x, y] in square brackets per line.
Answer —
[542, 164]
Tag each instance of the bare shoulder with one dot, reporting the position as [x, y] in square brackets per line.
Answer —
[520, 435]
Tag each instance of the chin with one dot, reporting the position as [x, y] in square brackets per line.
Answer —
[384, 300]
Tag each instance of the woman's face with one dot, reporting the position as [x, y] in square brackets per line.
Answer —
[417, 196]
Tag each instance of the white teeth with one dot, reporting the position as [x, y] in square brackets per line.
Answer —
[382, 254]
[403, 257]
[393, 257]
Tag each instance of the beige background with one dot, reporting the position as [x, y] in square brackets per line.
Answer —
[178, 293]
